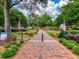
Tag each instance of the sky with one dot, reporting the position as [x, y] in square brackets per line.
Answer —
[56, 1]
[52, 8]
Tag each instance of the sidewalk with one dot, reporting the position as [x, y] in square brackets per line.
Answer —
[48, 49]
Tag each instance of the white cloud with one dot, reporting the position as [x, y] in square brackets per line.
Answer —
[51, 9]
[63, 2]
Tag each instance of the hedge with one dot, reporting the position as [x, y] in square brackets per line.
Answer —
[62, 34]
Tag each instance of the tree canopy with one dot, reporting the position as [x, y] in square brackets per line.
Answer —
[14, 17]
[45, 20]
[40, 20]
[70, 13]
[8, 4]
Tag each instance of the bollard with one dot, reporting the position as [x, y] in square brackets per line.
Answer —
[42, 37]
[37, 31]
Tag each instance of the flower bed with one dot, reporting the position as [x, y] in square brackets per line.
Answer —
[8, 39]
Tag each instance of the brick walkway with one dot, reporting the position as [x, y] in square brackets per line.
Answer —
[48, 49]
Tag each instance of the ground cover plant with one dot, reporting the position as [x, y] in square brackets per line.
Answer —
[53, 33]
[63, 33]
[11, 48]
[30, 32]
[70, 34]
[70, 44]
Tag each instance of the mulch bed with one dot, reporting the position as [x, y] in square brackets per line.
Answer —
[8, 39]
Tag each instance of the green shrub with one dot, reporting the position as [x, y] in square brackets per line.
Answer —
[70, 45]
[72, 31]
[53, 28]
[31, 32]
[0, 52]
[14, 47]
[53, 33]
[7, 45]
[62, 34]
[21, 41]
[74, 42]
[76, 50]
[13, 43]
[63, 41]
[8, 53]
[18, 44]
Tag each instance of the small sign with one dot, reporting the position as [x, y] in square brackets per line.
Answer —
[3, 35]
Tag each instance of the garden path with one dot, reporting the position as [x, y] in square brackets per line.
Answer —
[49, 48]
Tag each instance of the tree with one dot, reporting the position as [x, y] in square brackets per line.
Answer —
[70, 13]
[7, 5]
[44, 20]
[14, 18]
[1, 16]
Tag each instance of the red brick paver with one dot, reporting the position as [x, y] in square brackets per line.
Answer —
[48, 49]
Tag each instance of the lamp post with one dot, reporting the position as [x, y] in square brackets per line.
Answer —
[19, 27]
[28, 22]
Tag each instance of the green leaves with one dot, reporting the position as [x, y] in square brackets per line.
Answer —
[70, 14]
[14, 17]
[45, 20]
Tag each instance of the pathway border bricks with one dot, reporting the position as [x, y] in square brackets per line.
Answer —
[48, 49]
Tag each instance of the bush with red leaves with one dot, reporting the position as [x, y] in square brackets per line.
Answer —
[72, 36]
[69, 36]
[76, 36]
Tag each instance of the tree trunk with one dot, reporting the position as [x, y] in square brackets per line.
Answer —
[6, 16]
